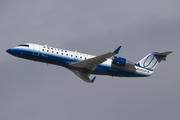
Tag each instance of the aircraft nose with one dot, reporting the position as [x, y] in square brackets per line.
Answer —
[11, 50]
[8, 50]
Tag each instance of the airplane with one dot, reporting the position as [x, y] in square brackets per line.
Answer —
[84, 64]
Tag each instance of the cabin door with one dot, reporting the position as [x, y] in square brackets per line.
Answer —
[75, 55]
[36, 50]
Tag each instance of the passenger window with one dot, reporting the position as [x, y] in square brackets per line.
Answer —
[62, 50]
[52, 51]
[47, 47]
[66, 54]
[47, 50]
[81, 57]
[71, 55]
[42, 49]
[62, 53]
[57, 52]
[85, 58]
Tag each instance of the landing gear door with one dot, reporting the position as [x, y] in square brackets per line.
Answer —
[36, 50]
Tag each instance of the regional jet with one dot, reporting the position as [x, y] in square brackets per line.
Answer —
[84, 64]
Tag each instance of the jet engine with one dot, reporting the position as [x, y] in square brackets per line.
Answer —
[119, 61]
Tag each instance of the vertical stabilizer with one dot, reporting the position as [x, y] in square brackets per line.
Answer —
[151, 61]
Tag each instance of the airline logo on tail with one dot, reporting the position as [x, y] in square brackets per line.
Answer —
[150, 62]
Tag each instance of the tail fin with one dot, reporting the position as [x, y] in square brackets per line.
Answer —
[151, 61]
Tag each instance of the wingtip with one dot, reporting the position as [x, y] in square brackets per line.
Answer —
[93, 79]
[117, 50]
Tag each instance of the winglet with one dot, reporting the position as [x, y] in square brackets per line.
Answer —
[93, 79]
[117, 50]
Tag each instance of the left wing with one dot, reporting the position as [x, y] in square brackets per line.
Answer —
[92, 63]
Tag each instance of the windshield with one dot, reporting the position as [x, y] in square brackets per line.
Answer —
[24, 45]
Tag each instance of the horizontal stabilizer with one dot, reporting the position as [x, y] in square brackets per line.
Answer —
[163, 54]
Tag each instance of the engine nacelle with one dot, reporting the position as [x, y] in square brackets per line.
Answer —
[119, 61]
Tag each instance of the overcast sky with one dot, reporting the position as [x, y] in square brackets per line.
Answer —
[36, 91]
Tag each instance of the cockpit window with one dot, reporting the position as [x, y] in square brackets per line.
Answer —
[24, 45]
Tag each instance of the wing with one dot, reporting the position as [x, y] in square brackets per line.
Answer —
[92, 63]
[84, 76]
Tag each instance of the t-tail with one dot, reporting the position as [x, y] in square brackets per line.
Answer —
[146, 66]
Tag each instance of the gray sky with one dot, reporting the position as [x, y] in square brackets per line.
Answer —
[34, 91]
